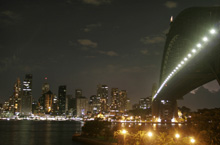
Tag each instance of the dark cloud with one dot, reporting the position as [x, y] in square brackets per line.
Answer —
[145, 52]
[86, 43]
[96, 2]
[153, 39]
[91, 27]
[9, 17]
[109, 53]
[171, 4]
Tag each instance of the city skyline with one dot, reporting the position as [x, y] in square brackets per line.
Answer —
[84, 43]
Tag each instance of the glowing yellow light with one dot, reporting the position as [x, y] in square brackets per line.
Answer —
[192, 140]
[150, 134]
[177, 135]
[124, 131]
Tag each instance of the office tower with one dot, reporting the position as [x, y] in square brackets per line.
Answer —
[95, 104]
[81, 106]
[78, 93]
[15, 99]
[102, 94]
[55, 105]
[71, 105]
[26, 101]
[143, 103]
[122, 100]
[62, 99]
[128, 106]
[17, 96]
[114, 100]
[45, 86]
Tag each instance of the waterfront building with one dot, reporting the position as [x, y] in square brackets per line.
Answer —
[119, 100]
[102, 96]
[122, 100]
[45, 86]
[26, 101]
[95, 104]
[81, 106]
[114, 107]
[71, 105]
[62, 99]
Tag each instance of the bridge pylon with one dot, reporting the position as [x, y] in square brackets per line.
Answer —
[164, 111]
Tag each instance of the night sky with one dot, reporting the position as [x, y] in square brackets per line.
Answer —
[83, 43]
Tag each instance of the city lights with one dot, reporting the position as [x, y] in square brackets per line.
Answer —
[124, 131]
[192, 140]
[177, 135]
[150, 134]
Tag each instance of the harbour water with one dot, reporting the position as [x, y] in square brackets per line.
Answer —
[38, 132]
[24, 132]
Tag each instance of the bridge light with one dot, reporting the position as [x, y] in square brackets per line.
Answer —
[212, 31]
[179, 65]
[199, 45]
[182, 62]
[205, 39]
[189, 55]
[185, 59]
[193, 50]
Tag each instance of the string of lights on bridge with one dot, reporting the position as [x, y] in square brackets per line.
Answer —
[189, 56]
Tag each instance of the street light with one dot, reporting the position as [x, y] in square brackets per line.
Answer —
[177, 136]
[150, 134]
[124, 133]
[192, 140]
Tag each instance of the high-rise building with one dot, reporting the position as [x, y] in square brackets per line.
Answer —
[17, 96]
[123, 100]
[26, 101]
[114, 107]
[119, 100]
[95, 104]
[143, 103]
[15, 99]
[78, 93]
[62, 99]
[46, 102]
[102, 95]
[81, 106]
[45, 86]
[71, 105]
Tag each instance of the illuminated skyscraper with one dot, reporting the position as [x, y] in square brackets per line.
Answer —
[17, 96]
[26, 101]
[81, 106]
[45, 86]
[102, 95]
[114, 107]
[123, 100]
[62, 99]
[95, 104]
